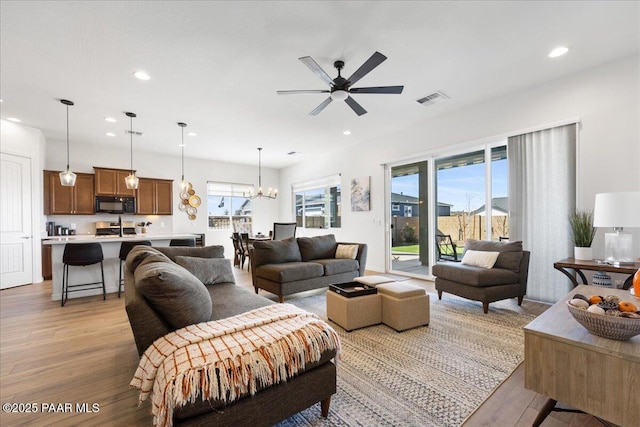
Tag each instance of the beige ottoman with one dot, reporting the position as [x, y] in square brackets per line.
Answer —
[373, 280]
[404, 306]
[355, 312]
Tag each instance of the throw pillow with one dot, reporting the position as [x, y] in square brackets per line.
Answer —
[347, 251]
[483, 259]
[318, 247]
[140, 254]
[179, 297]
[275, 251]
[209, 270]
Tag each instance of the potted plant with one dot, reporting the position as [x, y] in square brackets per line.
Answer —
[583, 232]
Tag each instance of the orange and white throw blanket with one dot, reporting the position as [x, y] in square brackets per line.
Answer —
[228, 358]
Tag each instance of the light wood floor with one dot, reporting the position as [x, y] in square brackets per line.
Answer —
[83, 353]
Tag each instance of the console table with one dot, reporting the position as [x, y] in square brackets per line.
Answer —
[578, 265]
[566, 363]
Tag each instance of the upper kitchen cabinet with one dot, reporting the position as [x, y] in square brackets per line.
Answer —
[154, 196]
[110, 182]
[76, 200]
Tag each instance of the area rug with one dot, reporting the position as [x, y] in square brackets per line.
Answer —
[428, 376]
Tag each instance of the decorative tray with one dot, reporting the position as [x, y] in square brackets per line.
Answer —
[353, 289]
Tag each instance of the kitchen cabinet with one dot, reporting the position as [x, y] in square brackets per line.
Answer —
[110, 182]
[154, 196]
[46, 262]
[76, 200]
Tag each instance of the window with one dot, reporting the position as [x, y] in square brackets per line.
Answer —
[227, 204]
[395, 207]
[317, 203]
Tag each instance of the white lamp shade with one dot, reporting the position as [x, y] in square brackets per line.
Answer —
[67, 178]
[620, 209]
[131, 181]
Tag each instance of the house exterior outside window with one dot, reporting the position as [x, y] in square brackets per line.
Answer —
[227, 204]
[317, 203]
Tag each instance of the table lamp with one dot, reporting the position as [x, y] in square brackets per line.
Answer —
[617, 210]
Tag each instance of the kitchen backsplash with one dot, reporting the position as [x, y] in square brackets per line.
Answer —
[86, 224]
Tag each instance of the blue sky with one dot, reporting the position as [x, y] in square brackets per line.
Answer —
[458, 185]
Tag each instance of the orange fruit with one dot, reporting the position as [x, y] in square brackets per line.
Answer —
[595, 299]
[636, 283]
[627, 306]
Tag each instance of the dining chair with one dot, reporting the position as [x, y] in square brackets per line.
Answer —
[241, 254]
[284, 230]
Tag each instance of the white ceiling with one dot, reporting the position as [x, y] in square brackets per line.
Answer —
[217, 66]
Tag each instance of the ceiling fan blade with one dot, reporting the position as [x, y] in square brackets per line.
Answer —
[379, 89]
[321, 107]
[371, 63]
[293, 92]
[355, 106]
[317, 70]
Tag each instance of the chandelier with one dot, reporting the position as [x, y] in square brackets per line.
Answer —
[271, 193]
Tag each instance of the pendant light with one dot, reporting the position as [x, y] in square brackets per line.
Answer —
[131, 180]
[184, 185]
[67, 178]
[271, 193]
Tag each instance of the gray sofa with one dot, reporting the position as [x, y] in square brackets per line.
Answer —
[285, 267]
[506, 279]
[165, 290]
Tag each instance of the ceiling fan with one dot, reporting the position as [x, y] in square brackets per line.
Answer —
[340, 88]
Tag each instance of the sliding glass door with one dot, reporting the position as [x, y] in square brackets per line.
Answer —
[431, 215]
[465, 185]
[409, 215]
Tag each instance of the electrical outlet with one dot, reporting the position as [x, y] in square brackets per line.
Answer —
[162, 225]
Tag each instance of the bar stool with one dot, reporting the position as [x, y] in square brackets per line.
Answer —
[125, 248]
[183, 242]
[81, 255]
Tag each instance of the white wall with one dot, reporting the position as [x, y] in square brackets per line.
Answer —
[28, 142]
[83, 157]
[605, 99]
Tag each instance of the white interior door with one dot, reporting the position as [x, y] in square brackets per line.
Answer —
[16, 250]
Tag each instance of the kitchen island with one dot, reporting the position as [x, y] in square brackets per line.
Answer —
[111, 263]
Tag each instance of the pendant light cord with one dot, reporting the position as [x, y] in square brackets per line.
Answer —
[131, 144]
[182, 153]
[67, 137]
[259, 169]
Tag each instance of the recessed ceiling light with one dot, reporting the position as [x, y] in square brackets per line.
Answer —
[110, 134]
[13, 119]
[110, 119]
[182, 145]
[346, 132]
[1, 100]
[559, 51]
[192, 134]
[142, 75]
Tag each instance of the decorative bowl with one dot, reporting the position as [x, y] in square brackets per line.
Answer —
[615, 328]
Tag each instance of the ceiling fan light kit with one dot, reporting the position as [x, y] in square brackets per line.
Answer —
[340, 88]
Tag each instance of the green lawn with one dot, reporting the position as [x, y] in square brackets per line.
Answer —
[410, 249]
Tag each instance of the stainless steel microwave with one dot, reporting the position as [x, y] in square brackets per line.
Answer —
[119, 205]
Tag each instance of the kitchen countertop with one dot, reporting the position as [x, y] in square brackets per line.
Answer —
[61, 240]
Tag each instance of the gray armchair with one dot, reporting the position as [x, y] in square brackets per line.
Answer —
[506, 279]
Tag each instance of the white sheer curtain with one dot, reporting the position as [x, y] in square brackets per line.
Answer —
[542, 194]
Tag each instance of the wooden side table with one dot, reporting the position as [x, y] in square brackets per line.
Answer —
[567, 363]
[592, 265]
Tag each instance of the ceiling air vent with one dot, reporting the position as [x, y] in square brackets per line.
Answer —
[432, 98]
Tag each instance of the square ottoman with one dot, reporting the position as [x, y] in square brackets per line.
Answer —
[404, 306]
[355, 312]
